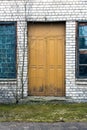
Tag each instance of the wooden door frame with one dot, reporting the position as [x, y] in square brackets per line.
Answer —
[54, 22]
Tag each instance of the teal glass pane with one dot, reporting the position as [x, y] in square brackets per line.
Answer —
[7, 29]
[83, 71]
[7, 51]
[83, 30]
[83, 43]
[82, 58]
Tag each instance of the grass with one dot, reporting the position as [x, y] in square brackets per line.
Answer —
[44, 113]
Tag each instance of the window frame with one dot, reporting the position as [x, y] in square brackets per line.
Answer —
[14, 23]
[78, 49]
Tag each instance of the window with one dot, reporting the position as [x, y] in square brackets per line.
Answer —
[7, 50]
[82, 51]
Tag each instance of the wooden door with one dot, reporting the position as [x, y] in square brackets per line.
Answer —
[46, 57]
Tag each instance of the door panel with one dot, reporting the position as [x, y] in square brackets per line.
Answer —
[46, 59]
[37, 66]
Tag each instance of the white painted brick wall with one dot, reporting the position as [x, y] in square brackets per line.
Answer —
[13, 10]
[45, 10]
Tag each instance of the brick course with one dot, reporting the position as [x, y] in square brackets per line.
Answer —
[69, 11]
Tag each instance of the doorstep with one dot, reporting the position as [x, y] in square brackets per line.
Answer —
[45, 99]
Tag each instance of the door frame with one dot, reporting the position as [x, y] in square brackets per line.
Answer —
[54, 22]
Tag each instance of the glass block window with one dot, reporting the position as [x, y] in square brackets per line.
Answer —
[7, 50]
[82, 50]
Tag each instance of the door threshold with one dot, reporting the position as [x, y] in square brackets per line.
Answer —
[48, 98]
[45, 99]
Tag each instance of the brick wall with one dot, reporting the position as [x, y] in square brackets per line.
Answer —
[69, 11]
[13, 10]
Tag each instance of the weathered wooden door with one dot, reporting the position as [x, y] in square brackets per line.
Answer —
[46, 59]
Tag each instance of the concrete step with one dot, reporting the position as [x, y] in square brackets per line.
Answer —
[45, 99]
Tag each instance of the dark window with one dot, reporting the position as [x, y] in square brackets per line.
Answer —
[82, 50]
[7, 50]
